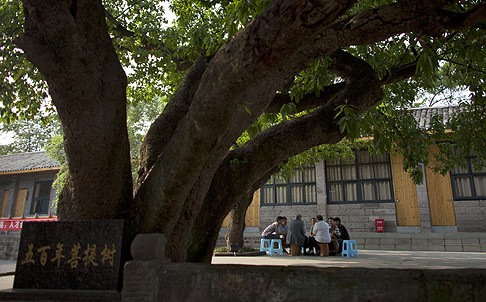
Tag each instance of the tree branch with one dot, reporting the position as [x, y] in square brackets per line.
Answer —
[468, 66]
[378, 24]
[162, 129]
[240, 82]
[247, 168]
[308, 101]
[245, 73]
[467, 19]
[118, 27]
[182, 64]
[311, 101]
[37, 52]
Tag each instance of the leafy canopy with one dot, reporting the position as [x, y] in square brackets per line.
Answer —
[156, 48]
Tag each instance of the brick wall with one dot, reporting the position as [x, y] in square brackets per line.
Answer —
[9, 245]
[361, 217]
[444, 242]
[471, 215]
[269, 213]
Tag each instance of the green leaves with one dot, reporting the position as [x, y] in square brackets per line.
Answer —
[288, 110]
[240, 12]
[311, 80]
[30, 135]
[55, 149]
[23, 92]
[348, 121]
[156, 50]
[469, 130]
[428, 62]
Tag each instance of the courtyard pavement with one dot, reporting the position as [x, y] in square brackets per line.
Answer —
[366, 259]
[371, 259]
[7, 269]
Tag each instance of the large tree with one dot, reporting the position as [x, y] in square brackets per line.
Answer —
[326, 63]
[28, 135]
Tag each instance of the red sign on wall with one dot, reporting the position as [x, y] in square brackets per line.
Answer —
[16, 224]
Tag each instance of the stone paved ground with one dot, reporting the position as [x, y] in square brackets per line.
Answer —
[7, 267]
[371, 259]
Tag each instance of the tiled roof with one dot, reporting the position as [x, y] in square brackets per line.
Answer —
[26, 162]
[424, 116]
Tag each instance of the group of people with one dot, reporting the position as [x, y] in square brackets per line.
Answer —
[324, 239]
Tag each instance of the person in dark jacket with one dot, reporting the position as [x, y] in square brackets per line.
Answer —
[340, 231]
[312, 244]
[296, 235]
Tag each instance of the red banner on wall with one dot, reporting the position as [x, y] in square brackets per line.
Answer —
[16, 224]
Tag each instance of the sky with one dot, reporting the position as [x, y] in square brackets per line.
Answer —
[6, 138]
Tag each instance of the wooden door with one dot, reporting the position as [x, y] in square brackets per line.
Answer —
[20, 202]
[253, 212]
[439, 192]
[252, 218]
[4, 204]
[406, 201]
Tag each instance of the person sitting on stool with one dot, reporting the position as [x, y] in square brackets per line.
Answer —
[282, 232]
[296, 235]
[271, 231]
[321, 229]
[341, 232]
[312, 240]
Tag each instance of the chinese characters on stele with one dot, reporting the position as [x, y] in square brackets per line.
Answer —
[73, 256]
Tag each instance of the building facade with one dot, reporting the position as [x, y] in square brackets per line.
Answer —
[377, 187]
[26, 195]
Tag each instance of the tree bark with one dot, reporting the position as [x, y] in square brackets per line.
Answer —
[247, 168]
[69, 43]
[245, 73]
[237, 225]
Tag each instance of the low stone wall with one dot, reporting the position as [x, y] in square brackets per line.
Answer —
[152, 277]
[251, 238]
[156, 281]
[447, 242]
[9, 245]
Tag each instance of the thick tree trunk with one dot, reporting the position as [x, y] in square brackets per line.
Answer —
[236, 227]
[247, 168]
[69, 43]
[245, 73]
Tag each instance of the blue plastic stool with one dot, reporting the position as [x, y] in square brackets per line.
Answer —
[278, 249]
[350, 248]
[265, 245]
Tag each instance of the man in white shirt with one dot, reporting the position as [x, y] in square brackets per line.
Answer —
[272, 231]
[322, 235]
